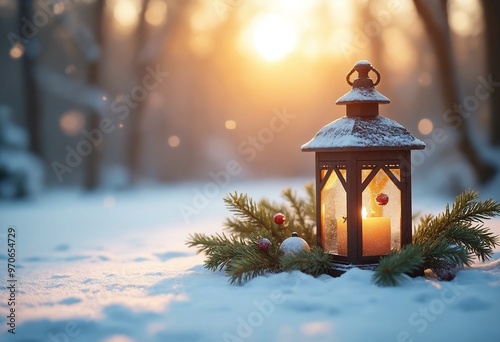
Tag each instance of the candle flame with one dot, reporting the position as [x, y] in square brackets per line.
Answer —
[363, 212]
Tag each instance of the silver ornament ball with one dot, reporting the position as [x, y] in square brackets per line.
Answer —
[294, 244]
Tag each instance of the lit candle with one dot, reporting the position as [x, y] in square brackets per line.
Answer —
[376, 235]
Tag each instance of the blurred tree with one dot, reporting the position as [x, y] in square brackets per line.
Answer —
[148, 46]
[92, 172]
[491, 10]
[32, 103]
[434, 15]
[134, 141]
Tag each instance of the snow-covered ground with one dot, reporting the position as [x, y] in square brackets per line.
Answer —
[114, 267]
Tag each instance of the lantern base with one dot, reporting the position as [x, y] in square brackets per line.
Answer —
[338, 269]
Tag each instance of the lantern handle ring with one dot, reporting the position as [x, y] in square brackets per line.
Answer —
[378, 76]
[354, 69]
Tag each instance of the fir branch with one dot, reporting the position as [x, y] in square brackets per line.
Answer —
[205, 243]
[465, 209]
[251, 263]
[468, 208]
[456, 226]
[392, 267]
[315, 262]
[219, 248]
[248, 214]
[437, 252]
[475, 239]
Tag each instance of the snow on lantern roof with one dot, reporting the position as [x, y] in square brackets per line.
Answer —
[366, 95]
[356, 133]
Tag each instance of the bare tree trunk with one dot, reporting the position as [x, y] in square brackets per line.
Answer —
[439, 35]
[491, 11]
[146, 52]
[32, 102]
[134, 141]
[92, 172]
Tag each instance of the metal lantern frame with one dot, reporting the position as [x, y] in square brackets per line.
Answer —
[355, 151]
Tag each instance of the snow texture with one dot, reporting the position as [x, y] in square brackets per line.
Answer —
[363, 95]
[114, 267]
[355, 133]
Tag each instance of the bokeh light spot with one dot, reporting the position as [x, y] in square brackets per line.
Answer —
[425, 126]
[425, 78]
[465, 17]
[230, 124]
[58, 8]
[17, 51]
[126, 12]
[174, 141]
[156, 12]
[72, 122]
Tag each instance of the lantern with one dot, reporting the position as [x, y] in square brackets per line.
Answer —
[363, 178]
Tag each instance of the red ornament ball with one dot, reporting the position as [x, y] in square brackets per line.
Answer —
[279, 218]
[264, 245]
[382, 199]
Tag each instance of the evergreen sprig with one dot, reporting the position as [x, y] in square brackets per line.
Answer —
[252, 263]
[462, 225]
[219, 248]
[455, 236]
[249, 216]
[393, 267]
[316, 262]
[238, 253]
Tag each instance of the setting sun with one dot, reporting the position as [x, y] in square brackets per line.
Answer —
[273, 36]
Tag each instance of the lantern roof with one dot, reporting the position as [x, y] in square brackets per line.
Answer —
[353, 133]
[363, 127]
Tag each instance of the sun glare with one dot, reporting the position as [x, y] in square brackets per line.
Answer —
[273, 36]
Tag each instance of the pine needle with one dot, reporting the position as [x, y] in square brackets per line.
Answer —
[315, 262]
[249, 216]
[219, 248]
[251, 263]
[394, 266]
[461, 225]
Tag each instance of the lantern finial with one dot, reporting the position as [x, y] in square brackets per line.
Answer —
[363, 81]
[363, 99]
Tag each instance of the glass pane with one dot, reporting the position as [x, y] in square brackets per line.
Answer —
[381, 213]
[333, 214]
[396, 173]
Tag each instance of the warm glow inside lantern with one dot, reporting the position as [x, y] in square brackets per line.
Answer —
[363, 177]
